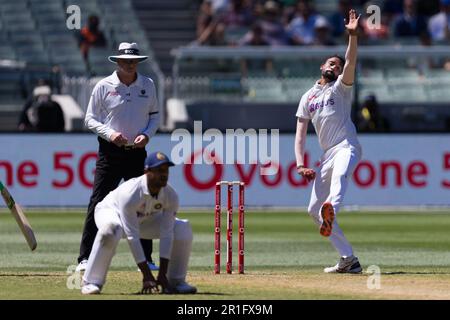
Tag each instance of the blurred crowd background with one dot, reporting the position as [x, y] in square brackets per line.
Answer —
[299, 22]
[229, 63]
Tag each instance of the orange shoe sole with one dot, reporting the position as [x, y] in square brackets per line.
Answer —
[327, 213]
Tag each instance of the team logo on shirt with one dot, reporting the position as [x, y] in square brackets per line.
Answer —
[141, 211]
[157, 206]
[142, 94]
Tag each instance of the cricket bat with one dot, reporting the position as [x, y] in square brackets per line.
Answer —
[18, 214]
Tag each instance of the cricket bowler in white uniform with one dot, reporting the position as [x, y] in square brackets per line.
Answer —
[143, 207]
[328, 106]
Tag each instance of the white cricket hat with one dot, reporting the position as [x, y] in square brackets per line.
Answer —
[42, 91]
[128, 51]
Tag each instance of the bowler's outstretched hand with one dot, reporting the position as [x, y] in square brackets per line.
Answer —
[352, 23]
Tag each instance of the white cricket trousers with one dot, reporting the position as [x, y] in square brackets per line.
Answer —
[336, 167]
[110, 231]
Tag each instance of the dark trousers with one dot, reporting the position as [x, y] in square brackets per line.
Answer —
[113, 165]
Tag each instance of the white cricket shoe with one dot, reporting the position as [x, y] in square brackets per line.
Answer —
[90, 288]
[345, 265]
[81, 266]
[182, 287]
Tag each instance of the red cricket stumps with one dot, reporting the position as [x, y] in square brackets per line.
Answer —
[217, 230]
[241, 228]
[230, 228]
[217, 226]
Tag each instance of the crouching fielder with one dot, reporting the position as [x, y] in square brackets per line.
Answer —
[328, 106]
[144, 207]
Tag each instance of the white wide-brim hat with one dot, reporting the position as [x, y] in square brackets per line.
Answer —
[42, 91]
[128, 51]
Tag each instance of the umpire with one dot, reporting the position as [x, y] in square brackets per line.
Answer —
[123, 112]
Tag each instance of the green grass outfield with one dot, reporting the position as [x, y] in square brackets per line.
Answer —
[285, 256]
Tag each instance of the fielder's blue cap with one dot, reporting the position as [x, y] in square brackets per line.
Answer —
[156, 159]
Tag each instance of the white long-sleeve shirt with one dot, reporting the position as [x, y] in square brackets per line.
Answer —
[132, 202]
[116, 107]
[329, 109]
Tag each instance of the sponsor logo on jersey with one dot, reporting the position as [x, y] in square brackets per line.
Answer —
[141, 211]
[314, 106]
[140, 214]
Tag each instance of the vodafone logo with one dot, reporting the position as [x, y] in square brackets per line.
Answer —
[367, 174]
[247, 174]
